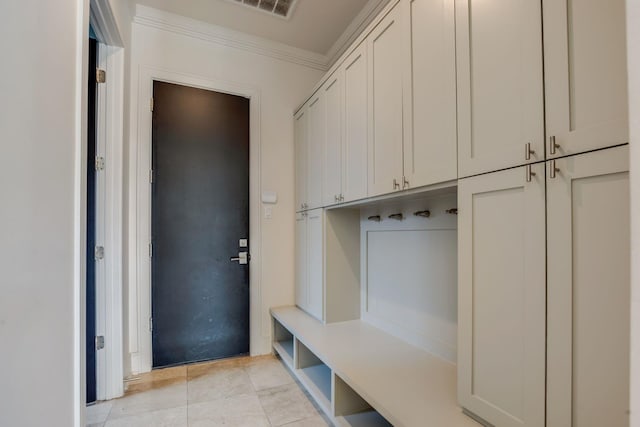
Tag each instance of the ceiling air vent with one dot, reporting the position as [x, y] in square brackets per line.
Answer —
[280, 8]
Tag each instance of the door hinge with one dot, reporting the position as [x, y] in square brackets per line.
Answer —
[98, 253]
[150, 250]
[151, 105]
[151, 324]
[101, 76]
[99, 342]
[99, 164]
[151, 176]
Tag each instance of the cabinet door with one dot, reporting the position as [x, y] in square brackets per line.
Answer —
[589, 290]
[301, 142]
[302, 295]
[317, 132]
[500, 90]
[315, 245]
[354, 183]
[387, 61]
[501, 296]
[430, 155]
[332, 164]
[585, 74]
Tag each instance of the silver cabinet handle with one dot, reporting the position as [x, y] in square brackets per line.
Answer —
[396, 184]
[552, 145]
[553, 169]
[405, 182]
[529, 173]
[528, 151]
[342, 197]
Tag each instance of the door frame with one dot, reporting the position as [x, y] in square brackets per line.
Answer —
[109, 201]
[139, 298]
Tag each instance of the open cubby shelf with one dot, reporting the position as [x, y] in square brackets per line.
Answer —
[362, 376]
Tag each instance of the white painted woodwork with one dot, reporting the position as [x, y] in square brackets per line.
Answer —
[585, 62]
[301, 141]
[342, 265]
[315, 263]
[332, 152]
[387, 63]
[317, 135]
[301, 276]
[355, 124]
[430, 155]
[589, 290]
[406, 385]
[500, 87]
[409, 273]
[501, 297]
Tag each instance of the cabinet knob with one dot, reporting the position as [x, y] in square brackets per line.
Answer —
[553, 145]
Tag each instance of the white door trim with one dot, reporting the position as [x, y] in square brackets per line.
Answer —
[140, 210]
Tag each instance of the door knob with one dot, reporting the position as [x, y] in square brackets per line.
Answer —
[242, 258]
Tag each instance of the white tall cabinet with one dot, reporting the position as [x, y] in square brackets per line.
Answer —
[310, 262]
[585, 75]
[500, 84]
[588, 290]
[332, 93]
[501, 294]
[317, 134]
[301, 134]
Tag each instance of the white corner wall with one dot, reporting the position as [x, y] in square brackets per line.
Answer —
[42, 96]
[633, 48]
[282, 86]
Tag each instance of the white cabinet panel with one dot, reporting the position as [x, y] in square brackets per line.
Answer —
[500, 88]
[301, 136]
[585, 74]
[589, 290]
[315, 245]
[317, 135]
[387, 64]
[332, 164]
[430, 155]
[302, 298]
[354, 182]
[501, 297]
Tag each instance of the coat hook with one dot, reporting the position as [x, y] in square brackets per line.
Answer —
[453, 211]
[424, 214]
[397, 216]
[375, 218]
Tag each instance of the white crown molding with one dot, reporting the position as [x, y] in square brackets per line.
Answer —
[366, 16]
[177, 24]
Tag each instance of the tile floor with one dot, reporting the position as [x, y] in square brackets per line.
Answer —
[243, 392]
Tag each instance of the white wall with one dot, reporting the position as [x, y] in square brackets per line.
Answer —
[633, 46]
[43, 45]
[282, 86]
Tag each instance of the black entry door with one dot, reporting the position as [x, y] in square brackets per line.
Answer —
[200, 211]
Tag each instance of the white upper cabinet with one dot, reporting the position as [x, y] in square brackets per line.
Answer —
[317, 135]
[354, 181]
[332, 161]
[501, 296]
[500, 84]
[387, 61]
[430, 155]
[301, 142]
[585, 75]
[589, 290]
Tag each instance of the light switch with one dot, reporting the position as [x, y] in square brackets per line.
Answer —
[243, 243]
[268, 212]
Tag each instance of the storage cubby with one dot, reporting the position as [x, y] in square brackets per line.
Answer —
[351, 410]
[314, 374]
[283, 343]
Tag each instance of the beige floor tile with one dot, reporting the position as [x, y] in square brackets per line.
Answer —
[174, 417]
[98, 413]
[238, 411]
[219, 382]
[169, 395]
[286, 404]
[318, 421]
[268, 372]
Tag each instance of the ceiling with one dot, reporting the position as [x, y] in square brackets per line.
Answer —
[315, 25]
